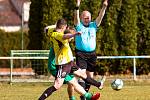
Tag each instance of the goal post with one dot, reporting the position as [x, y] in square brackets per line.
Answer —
[28, 59]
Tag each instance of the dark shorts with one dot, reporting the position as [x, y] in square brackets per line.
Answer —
[86, 60]
[66, 69]
[68, 77]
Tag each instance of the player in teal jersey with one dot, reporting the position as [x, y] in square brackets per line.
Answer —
[85, 43]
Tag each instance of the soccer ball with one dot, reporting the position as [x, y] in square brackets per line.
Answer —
[117, 84]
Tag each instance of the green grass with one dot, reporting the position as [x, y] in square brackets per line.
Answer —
[31, 91]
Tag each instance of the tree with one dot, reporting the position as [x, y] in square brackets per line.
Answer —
[35, 27]
[127, 35]
[124, 29]
[143, 41]
[52, 11]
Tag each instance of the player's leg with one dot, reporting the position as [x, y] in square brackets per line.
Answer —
[80, 61]
[74, 82]
[82, 83]
[90, 80]
[57, 84]
[59, 79]
[78, 88]
[88, 85]
[102, 80]
[91, 66]
[87, 61]
[70, 90]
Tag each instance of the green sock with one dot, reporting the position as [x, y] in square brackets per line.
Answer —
[72, 98]
[88, 96]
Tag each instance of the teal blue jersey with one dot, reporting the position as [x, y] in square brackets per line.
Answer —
[87, 40]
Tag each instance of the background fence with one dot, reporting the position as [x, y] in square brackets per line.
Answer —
[21, 65]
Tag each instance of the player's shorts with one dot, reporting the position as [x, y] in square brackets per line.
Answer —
[66, 71]
[86, 60]
[68, 77]
[52, 67]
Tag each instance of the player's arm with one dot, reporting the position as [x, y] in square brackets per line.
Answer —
[76, 15]
[101, 13]
[49, 27]
[70, 35]
[61, 37]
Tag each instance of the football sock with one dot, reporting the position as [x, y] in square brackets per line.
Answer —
[72, 98]
[82, 83]
[47, 93]
[92, 82]
[88, 96]
[87, 86]
[82, 97]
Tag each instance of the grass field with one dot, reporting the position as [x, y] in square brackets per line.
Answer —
[31, 91]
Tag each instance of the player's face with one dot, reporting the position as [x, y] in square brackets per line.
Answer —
[86, 18]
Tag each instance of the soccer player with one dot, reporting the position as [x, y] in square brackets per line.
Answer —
[64, 62]
[86, 42]
[68, 77]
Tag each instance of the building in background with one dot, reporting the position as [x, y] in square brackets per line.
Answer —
[14, 15]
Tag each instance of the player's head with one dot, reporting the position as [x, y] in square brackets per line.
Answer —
[70, 29]
[61, 24]
[86, 17]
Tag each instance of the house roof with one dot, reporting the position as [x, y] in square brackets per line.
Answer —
[18, 4]
[9, 15]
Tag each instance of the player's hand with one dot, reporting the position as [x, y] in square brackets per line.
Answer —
[78, 33]
[105, 3]
[78, 2]
[45, 29]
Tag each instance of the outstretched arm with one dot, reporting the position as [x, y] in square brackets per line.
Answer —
[102, 12]
[76, 16]
[70, 35]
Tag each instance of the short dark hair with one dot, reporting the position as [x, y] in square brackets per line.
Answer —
[68, 30]
[60, 23]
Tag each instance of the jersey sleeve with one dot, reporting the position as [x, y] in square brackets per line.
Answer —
[94, 24]
[78, 27]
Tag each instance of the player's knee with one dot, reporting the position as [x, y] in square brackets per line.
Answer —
[83, 75]
[80, 73]
[57, 85]
[71, 82]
